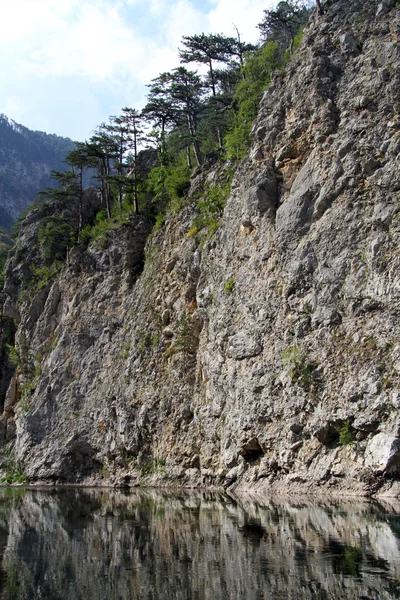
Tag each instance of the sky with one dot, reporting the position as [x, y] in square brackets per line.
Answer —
[67, 65]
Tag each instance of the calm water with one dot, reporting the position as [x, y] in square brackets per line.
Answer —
[101, 544]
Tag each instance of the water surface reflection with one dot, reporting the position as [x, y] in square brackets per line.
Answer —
[85, 544]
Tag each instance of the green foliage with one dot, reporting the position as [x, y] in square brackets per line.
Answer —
[100, 227]
[186, 340]
[177, 183]
[209, 299]
[298, 39]
[169, 185]
[13, 578]
[8, 353]
[24, 405]
[159, 222]
[346, 434]
[125, 350]
[147, 340]
[152, 260]
[352, 560]
[103, 225]
[256, 78]
[85, 235]
[12, 477]
[53, 343]
[42, 275]
[300, 370]
[55, 237]
[152, 254]
[211, 208]
[150, 467]
[13, 355]
[38, 358]
[229, 285]
[283, 23]
[28, 386]
[13, 467]
[308, 308]
[5, 245]
[3, 258]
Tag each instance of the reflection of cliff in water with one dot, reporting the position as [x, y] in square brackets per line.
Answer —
[81, 544]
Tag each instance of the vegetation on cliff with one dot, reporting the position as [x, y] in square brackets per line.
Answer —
[252, 338]
[191, 118]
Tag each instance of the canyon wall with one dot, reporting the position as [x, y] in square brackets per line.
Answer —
[265, 357]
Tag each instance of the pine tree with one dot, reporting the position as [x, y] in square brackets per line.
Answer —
[78, 160]
[119, 131]
[209, 49]
[283, 23]
[101, 151]
[133, 122]
[161, 112]
[181, 91]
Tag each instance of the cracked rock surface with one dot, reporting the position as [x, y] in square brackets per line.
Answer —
[269, 357]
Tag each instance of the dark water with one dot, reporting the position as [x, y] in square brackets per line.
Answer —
[101, 544]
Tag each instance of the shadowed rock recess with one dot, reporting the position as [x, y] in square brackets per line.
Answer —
[269, 358]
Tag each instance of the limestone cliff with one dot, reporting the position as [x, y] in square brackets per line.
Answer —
[270, 355]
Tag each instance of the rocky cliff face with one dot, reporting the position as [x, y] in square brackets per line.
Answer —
[26, 159]
[267, 357]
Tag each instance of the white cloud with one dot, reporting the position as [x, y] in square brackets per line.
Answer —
[184, 19]
[85, 38]
[24, 20]
[105, 49]
[245, 14]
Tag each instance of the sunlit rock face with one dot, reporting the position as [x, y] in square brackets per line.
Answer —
[268, 357]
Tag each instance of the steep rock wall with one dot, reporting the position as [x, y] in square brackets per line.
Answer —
[270, 356]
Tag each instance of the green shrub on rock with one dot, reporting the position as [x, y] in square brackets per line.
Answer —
[346, 434]
[300, 370]
[229, 285]
[55, 237]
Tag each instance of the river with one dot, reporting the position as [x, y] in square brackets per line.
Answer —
[95, 544]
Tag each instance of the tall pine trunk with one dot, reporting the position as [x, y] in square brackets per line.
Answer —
[135, 193]
[192, 133]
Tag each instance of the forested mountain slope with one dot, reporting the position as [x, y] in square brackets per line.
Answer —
[26, 159]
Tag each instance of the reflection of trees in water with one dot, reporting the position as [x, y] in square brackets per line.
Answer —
[81, 544]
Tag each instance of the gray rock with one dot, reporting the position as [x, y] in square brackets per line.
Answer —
[383, 452]
[132, 364]
[348, 42]
[384, 7]
[260, 196]
[243, 346]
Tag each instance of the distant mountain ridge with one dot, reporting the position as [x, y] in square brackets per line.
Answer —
[26, 159]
